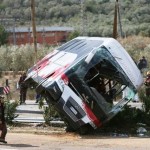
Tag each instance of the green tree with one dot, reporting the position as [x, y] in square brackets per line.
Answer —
[3, 35]
[73, 35]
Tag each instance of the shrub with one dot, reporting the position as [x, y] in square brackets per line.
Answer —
[49, 111]
[3, 35]
[145, 100]
[130, 117]
[10, 109]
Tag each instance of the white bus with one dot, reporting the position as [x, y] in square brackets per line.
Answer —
[83, 80]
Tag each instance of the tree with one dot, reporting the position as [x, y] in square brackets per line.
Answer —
[3, 35]
[73, 35]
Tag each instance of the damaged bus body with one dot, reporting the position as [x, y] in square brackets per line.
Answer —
[83, 80]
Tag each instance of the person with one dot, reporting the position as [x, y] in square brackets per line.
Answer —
[3, 126]
[147, 83]
[139, 64]
[142, 64]
[23, 88]
[38, 97]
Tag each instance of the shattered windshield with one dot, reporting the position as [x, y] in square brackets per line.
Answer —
[99, 81]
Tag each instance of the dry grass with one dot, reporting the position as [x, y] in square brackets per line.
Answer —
[137, 46]
[13, 78]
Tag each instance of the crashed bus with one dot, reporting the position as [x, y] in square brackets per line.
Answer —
[84, 78]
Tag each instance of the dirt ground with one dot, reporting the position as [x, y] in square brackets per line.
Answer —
[55, 138]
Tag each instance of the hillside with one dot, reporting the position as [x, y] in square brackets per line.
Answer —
[97, 15]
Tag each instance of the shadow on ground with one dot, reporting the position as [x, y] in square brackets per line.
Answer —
[18, 145]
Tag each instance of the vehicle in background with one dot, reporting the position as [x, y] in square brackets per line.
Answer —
[82, 79]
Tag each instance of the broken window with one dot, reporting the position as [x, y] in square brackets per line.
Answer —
[99, 81]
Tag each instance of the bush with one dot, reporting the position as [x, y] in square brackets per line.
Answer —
[49, 111]
[10, 110]
[146, 101]
[130, 117]
[3, 35]
[21, 58]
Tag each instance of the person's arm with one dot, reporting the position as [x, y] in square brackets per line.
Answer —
[2, 116]
[20, 80]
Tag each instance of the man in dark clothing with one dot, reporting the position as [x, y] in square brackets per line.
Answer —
[23, 88]
[3, 126]
[142, 64]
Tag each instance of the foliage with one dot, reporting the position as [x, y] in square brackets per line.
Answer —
[20, 58]
[126, 118]
[10, 109]
[3, 35]
[96, 14]
[145, 100]
[49, 111]
[130, 117]
[73, 35]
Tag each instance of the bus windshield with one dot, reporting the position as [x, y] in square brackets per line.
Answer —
[99, 82]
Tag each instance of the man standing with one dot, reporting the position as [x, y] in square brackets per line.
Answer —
[23, 88]
[3, 126]
[142, 64]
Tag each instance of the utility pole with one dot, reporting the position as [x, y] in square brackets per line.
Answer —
[116, 19]
[34, 28]
[119, 19]
[115, 33]
[14, 32]
[83, 25]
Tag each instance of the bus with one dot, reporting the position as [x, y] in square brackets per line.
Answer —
[84, 79]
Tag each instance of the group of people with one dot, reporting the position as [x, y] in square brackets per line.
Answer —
[23, 92]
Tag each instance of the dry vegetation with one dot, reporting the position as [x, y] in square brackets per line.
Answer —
[137, 46]
[22, 58]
